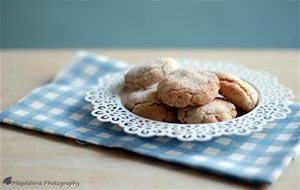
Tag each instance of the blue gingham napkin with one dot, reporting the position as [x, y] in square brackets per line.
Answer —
[59, 108]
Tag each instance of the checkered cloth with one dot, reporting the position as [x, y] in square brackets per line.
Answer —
[59, 108]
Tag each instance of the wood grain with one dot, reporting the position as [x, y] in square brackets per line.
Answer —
[31, 155]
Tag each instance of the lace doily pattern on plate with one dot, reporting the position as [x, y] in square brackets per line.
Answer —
[273, 104]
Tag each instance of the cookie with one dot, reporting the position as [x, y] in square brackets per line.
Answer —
[145, 103]
[136, 97]
[145, 75]
[238, 91]
[215, 111]
[188, 88]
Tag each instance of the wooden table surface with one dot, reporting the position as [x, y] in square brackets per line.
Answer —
[30, 155]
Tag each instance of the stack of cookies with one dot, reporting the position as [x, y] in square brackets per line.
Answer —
[162, 91]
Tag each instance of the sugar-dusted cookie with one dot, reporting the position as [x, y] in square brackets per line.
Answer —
[145, 103]
[215, 111]
[238, 91]
[145, 75]
[188, 88]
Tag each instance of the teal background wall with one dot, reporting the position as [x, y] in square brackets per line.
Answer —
[133, 24]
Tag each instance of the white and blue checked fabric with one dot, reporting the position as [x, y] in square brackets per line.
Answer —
[59, 108]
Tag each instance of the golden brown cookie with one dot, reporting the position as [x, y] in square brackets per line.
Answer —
[238, 91]
[188, 88]
[145, 103]
[215, 111]
[145, 75]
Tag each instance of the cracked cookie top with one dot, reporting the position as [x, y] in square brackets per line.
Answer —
[188, 88]
[145, 75]
[215, 111]
[238, 91]
[141, 96]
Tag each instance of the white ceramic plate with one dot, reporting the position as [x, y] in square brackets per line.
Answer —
[273, 104]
